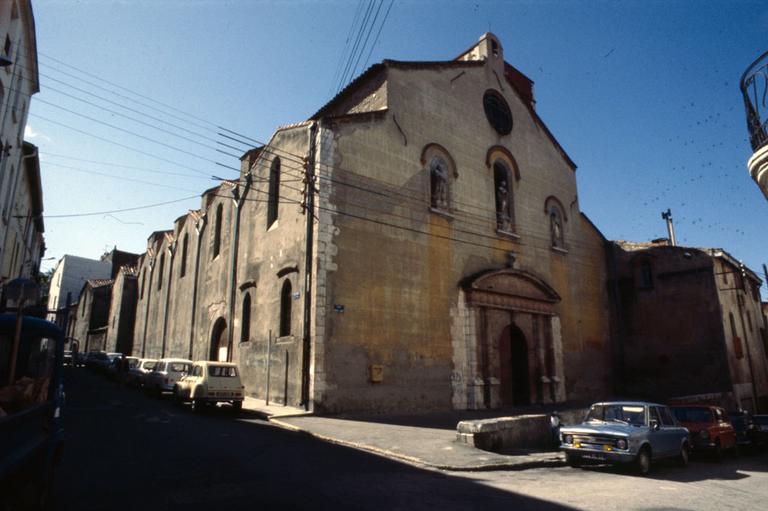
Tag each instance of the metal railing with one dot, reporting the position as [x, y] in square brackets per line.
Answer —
[754, 89]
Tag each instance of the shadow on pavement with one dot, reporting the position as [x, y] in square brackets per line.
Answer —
[127, 451]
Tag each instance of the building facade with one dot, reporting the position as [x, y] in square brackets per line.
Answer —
[446, 263]
[69, 277]
[691, 327]
[20, 192]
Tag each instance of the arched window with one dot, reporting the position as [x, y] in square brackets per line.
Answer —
[442, 172]
[274, 192]
[245, 329]
[217, 232]
[502, 187]
[285, 308]
[160, 272]
[183, 270]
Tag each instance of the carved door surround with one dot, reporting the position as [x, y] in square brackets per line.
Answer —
[506, 299]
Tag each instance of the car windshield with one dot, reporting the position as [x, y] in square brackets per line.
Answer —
[626, 414]
[692, 414]
[225, 371]
[178, 367]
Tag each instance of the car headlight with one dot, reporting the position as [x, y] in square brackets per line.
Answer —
[703, 434]
[621, 443]
[568, 439]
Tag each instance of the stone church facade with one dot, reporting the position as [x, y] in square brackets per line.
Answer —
[450, 264]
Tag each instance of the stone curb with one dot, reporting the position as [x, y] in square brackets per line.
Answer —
[553, 460]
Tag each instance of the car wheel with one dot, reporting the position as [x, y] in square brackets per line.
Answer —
[643, 461]
[736, 451]
[717, 452]
[197, 405]
[237, 405]
[685, 454]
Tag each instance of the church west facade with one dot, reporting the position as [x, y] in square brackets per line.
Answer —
[449, 263]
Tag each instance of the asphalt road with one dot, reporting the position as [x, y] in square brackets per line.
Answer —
[126, 451]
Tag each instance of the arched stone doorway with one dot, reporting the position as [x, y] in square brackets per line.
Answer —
[514, 381]
[219, 341]
[510, 353]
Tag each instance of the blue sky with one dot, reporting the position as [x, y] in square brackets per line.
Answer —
[643, 96]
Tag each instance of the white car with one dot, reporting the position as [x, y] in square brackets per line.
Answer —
[138, 372]
[211, 383]
[165, 374]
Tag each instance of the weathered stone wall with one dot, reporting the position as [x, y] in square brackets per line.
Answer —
[672, 332]
[398, 286]
[122, 314]
[742, 319]
[268, 257]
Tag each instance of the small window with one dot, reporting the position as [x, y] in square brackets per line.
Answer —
[8, 46]
[160, 272]
[749, 321]
[274, 192]
[184, 241]
[141, 292]
[245, 329]
[646, 275]
[666, 417]
[222, 371]
[285, 308]
[217, 231]
[502, 186]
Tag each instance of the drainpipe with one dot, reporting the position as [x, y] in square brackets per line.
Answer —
[148, 303]
[172, 253]
[238, 201]
[740, 301]
[199, 228]
[308, 257]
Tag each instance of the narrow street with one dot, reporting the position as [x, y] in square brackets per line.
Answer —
[126, 451]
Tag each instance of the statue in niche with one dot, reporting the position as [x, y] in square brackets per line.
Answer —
[439, 179]
[502, 206]
[556, 228]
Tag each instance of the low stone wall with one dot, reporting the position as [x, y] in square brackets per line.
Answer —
[521, 432]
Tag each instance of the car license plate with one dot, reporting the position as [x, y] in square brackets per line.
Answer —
[593, 457]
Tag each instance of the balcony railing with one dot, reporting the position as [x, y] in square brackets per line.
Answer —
[754, 88]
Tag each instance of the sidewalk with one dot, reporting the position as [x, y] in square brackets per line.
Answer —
[425, 440]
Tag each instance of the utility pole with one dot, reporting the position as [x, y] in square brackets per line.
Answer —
[667, 215]
[309, 211]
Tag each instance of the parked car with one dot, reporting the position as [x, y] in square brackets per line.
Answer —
[209, 383]
[165, 374]
[114, 368]
[95, 359]
[709, 427]
[138, 372]
[748, 434]
[626, 432]
[761, 429]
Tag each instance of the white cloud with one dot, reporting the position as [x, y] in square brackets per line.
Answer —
[31, 134]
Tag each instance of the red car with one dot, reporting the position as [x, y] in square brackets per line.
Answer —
[709, 427]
